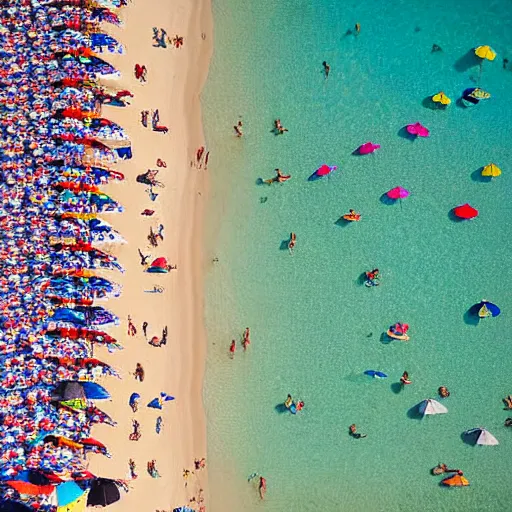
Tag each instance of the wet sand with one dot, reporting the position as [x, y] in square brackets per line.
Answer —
[174, 82]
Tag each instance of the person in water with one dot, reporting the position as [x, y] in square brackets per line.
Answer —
[288, 402]
[280, 129]
[357, 29]
[352, 430]
[373, 274]
[436, 48]
[404, 379]
[327, 69]
[399, 328]
[292, 242]
[300, 405]
[443, 392]
[246, 339]
[505, 63]
[508, 422]
[279, 177]
[262, 487]
[232, 348]
[238, 129]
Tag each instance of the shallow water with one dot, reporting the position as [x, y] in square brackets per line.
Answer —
[314, 327]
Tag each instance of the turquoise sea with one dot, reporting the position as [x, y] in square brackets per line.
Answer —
[314, 327]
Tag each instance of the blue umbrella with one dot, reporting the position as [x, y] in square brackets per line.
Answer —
[133, 398]
[157, 403]
[68, 492]
[94, 391]
[486, 309]
[376, 374]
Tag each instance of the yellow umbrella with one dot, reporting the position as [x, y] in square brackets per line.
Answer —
[79, 505]
[491, 170]
[441, 97]
[485, 52]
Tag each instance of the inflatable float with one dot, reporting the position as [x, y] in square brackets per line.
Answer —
[398, 332]
[352, 217]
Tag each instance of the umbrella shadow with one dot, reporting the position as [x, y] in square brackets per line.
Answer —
[284, 245]
[469, 438]
[396, 387]
[467, 61]
[280, 408]
[405, 134]
[453, 217]
[357, 153]
[432, 105]
[471, 315]
[385, 339]
[385, 199]
[477, 176]
[414, 413]
[260, 182]
[361, 279]
[314, 177]
[343, 223]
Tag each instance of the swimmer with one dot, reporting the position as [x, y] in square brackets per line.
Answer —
[232, 348]
[238, 129]
[262, 487]
[327, 69]
[354, 433]
[292, 242]
[279, 177]
[508, 401]
[357, 29]
[279, 127]
[436, 48]
[246, 340]
[508, 422]
[288, 402]
[505, 63]
[300, 405]
[404, 379]
[443, 392]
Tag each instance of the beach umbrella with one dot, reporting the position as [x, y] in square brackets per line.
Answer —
[441, 98]
[456, 480]
[367, 148]
[159, 265]
[324, 170]
[487, 309]
[94, 391]
[417, 129]
[157, 403]
[68, 492]
[134, 398]
[485, 52]
[491, 170]
[465, 212]
[375, 374]
[430, 406]
[31, 489]
[103, 492]
[397, 193]
[482, 436]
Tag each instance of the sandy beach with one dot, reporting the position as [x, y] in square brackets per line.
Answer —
[175, 78]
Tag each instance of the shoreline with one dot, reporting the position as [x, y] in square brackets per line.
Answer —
[175, 81]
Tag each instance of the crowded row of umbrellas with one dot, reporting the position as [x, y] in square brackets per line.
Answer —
[56, 153]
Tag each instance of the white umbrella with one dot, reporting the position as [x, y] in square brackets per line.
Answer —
[483, 436]
[430, 406]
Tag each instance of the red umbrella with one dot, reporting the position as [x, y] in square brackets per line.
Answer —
[465, 211]
[160, 263]
[397, 193]
[93, 442]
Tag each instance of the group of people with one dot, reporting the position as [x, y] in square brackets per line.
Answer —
[56, 152]
[246, 341]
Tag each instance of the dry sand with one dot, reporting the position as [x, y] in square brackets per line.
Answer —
[174, 82]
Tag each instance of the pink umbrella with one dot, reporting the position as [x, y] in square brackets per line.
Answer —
[465, 211]
[324, 170]
[397, 193]
[418, 129]
[368, 147]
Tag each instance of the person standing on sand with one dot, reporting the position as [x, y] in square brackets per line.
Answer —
[238, 129]
[262, 487]
[232, 349]
[145, 329]
[132, 330]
